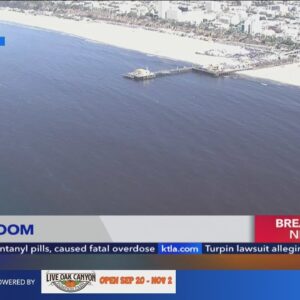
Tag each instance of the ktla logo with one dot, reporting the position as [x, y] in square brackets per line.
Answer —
[70, 282]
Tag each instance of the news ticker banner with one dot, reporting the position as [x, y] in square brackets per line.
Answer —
[126, 229]
[147, 248]
[149, 284]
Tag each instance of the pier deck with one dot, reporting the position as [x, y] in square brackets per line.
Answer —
[173, 71]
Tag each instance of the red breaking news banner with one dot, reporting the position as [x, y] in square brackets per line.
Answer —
[277, 229]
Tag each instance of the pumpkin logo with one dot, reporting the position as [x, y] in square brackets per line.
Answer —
[71, 282]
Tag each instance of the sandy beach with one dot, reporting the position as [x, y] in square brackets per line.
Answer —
[287, 74]
[151, 42]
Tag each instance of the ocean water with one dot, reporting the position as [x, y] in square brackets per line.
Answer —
[78, 138]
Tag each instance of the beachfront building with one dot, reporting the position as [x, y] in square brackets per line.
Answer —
[125, 7]
[246, 4]
[253, 25]
[213, 6]
[280, 9]
[142, 10]
[174, 14]
[193, 16]
[162, 9]
[209, 17]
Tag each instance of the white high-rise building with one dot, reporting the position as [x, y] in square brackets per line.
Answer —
[246, 4]
[213, 6]
[162, 8]
[253, 25]
[174, 14]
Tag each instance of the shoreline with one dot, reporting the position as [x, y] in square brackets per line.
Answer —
[153, 43]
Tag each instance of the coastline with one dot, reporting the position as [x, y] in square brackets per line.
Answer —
[154, 43]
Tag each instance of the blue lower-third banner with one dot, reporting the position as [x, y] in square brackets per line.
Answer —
[151, 284]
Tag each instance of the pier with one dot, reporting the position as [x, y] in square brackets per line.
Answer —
[213, 72]
[144, 74]
[173, 71]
